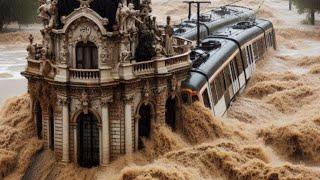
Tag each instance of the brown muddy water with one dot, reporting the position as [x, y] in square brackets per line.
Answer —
[272, 131]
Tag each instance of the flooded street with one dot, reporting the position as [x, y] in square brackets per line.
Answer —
[12, 62]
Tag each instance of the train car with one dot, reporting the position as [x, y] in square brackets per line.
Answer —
[224, 63]
[212, 20]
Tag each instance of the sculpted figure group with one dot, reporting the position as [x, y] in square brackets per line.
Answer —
[129, 21]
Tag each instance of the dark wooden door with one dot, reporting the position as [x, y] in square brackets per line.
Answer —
[89, 141]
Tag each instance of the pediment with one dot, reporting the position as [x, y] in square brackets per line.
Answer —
[86, 13]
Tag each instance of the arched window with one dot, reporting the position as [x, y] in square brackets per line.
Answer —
[86, 56]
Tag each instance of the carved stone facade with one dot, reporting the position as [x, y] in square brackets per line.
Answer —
[89, 91]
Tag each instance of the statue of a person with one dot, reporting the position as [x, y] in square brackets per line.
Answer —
[52, 12]
[132, 17]
[43, 12]
[31, 48]
[169, 38]
[121, 17]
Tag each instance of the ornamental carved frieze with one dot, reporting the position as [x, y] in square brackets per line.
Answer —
[106, 50]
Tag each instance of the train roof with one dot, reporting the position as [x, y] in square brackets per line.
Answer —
[213, 19]
[221, 54]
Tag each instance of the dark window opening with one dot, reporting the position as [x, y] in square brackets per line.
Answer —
[51, 130]
[171, 110]
[87, 56]
[206, 99]
[38, 116]
[144, 128]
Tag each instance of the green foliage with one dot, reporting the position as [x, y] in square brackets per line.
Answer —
[308, 6]
[21, 11]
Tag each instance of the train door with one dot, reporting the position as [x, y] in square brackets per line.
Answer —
[234, 74]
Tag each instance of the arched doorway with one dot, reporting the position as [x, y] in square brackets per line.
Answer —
[171, 110]
[86, 56]
[89, 151]
[38, 118]
[144, 126]
[51, 128]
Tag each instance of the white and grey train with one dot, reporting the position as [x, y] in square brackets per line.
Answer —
[225, 61]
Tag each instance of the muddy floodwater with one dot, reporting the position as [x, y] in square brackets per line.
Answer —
[271, 131]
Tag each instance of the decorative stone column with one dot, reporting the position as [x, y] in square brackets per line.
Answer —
[105, 129]
[65, 128]
[128, 123]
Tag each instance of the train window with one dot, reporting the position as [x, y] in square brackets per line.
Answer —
[248, 55]
[218, 87]
[244, 55]
[251, 54]
[239, 63]
[206, 100]
[255, 51]
[227, 76]
[233, 71]
[220, 84]
[222, 81]
[261, 47]
[214, 93]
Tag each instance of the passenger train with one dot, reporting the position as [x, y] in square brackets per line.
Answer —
[224, 62]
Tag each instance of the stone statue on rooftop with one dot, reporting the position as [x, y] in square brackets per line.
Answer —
[30, 48]
[121, 17]
[169, 38]
[132, 17]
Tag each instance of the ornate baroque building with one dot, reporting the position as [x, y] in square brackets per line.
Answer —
[102, 78]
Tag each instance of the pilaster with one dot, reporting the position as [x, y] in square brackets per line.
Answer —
[105, 101]
[65, 128]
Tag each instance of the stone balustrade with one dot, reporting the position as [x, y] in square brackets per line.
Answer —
[141, 68]
[84, 75]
